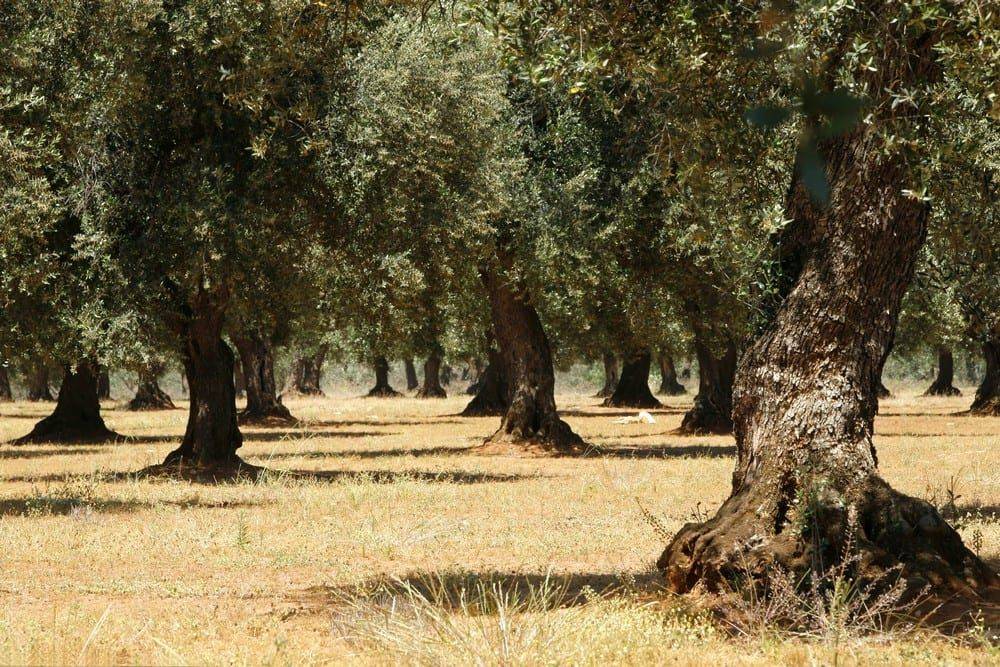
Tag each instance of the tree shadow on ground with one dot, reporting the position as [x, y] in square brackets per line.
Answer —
[597, 411]
[29, 453]
[666, 452]
[390, 422]
[394, 476]
[372, 453]
[278, 436]
[904, 434]
[43, 504]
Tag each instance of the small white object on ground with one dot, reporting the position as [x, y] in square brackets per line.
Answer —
[641, 418]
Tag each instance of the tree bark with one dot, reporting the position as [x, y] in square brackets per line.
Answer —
[212, 435]
[669, 386]
[382, 388]
[103, 384]
[307, 374]
[943, 384]
[610, 376]
[987, 401]
[411, 374]
[713, 405]
[6, 395]
[432, 378]
[77, 415]
[491, 395]
[632, 390]
[148, 394]
[38, 382]
[257, 359]
[806, 492]
[530, 422]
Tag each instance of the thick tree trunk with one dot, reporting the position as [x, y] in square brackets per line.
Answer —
[987, 400]
[148, 395]
[6, 395]
[411, 374]
[713, 405]
[474, 374]
[530, 421]
[382, 388]
[37, 379]
[669, 386]
[491, 396]
[806, 492]
[432, 378]
[307, 374]
[257, 359]
[633, 385]
[610, 376]
[943, 384]
[103, 384]
[77, 415]
[212, 435]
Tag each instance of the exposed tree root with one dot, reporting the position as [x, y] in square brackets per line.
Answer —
[55, 429]
[229, 471]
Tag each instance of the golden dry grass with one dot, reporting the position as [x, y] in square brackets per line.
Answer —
[100, 568]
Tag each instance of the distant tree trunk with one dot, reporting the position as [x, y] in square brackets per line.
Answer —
[239, 379]
[474, 374]
[713, 405]
[382, 389]
[531, 420]
[806, 492]
[411, 374]
[432, 378]
[148, 395]
[6, 395]
[37, 379]
[491, 396]
[633, 385]
[77, 415]
[610, 376]
[257, 358]
[446, 374]
[943, 383]
[103, 384]
[669, 386]
[987, 400]
[307, 374]
[212, 435]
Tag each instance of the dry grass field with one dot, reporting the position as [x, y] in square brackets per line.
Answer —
[406, 548]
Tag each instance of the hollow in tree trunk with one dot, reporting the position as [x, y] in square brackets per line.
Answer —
[257, 359]
[411, 374]
[987, 401]
[382, 388]
[6, 395]
[432, 378]
[633, 385]
[943, 383]
[37, 379]
[806, 489]
[77, 415]
[148, 394]
[530, 422]
[491, 395]
[669, 386]
[307, 374]
[103, 384]
[610, 376]
[713, 404]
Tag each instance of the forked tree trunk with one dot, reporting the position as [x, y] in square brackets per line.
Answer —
[411, 374]
[432, 378]
[610, 376]
[103, 384]
[669, 386]
[713, 405]
[491, 396]
[633, 385]
[6, 395]
[307, 374]
[530, 421]
[148, 394]
[257, 359]
[806, 491]
[382, 388]
[77, 415]
[38, 382]
[212, 435]
[987, 400]
[943, 384]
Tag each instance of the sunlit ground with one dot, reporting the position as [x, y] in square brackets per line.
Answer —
[100, 568]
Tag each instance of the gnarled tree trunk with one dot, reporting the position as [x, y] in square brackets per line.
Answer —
[382, 388]
[987, 400]
[806, 487]
[491, 395]
[77, 415]
[307, 374]
[943, 383]
[669, 386]
[531, 420]
[257, 358]
[148, 395]
[37, 379]
[6, 395]
[633, 385]
[411, 374]
[432, 378]
[713, 405]
[610, 376]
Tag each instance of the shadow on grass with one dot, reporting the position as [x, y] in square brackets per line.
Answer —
[598, 411]
[432, 420]
[42, 504]
[30, 453]
[372, 453]
[392, 476]
[305, 434]
[666, 452]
